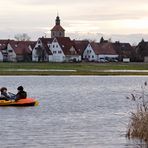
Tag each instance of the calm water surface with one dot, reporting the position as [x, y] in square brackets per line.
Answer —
[74, 112]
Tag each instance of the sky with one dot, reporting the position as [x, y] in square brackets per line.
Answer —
[125, 21]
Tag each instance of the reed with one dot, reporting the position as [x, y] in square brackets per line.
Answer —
[138, 126]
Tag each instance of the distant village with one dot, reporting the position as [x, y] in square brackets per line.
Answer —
[59, 48]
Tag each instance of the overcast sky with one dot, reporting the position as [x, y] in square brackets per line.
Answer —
[125, 20]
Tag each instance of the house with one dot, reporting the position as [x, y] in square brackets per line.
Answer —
[59, 49]
[18, 51]
[142, 51]
[107, 51]
[1, 56]
[63, 50]
[125, 51]
[41, 51]
[97, 51]
[80, 46]
[91, 52]
[3, 49]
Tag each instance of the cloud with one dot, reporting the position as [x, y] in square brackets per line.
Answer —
[80, 17]
[84, 2]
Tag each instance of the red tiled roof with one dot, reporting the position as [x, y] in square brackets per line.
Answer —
[96, 48]
[46, 41]
[108, 48]
[142, 49]
[80, 45]
[66, 44]
[57, 28]
[4, 43]
[104, 48]
[32, 44]
[21, 47]
[123, 49]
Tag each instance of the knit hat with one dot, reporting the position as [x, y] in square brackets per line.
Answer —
[20, 88]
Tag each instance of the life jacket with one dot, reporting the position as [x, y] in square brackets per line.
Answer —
[21, 95]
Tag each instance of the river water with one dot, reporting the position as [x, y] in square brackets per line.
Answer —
[74, 112]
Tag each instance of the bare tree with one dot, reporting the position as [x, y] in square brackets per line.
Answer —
[22, 37]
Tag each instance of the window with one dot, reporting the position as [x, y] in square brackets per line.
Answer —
[92, 57]
[10, 50]
[90, 51]
[59, 52]
[53, 46]
[57, 46]
[54, 52]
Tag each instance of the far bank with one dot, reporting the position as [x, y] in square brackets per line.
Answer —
[73, 68]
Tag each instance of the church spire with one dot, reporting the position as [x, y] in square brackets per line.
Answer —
[57, 30]
[57, 20]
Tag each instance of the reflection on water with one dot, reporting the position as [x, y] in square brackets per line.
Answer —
[81, 112]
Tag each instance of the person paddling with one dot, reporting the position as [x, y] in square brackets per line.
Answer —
[21, 94]
[4, 95]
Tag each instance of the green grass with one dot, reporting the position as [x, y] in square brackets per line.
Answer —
[81, 68]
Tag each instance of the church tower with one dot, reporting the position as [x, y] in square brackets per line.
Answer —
[57, 30]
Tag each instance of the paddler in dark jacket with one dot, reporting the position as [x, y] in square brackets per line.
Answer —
[4, 95]
[21, 94]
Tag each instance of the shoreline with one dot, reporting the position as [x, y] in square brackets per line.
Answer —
[63, 73]
[74, 76]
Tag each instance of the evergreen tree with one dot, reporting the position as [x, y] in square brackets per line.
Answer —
[101, 40]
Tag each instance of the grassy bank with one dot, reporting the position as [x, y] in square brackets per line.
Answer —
[76, 68]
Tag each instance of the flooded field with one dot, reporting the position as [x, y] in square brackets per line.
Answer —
[74, 112]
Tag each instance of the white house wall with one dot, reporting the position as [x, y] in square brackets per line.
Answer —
[89, 54]
[58, 55]
[79, 58]
[34, 52]
[1, 57]
[50, 58]
[34, 56]
[11, 55]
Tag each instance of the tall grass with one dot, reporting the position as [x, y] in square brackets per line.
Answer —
[138, 126]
